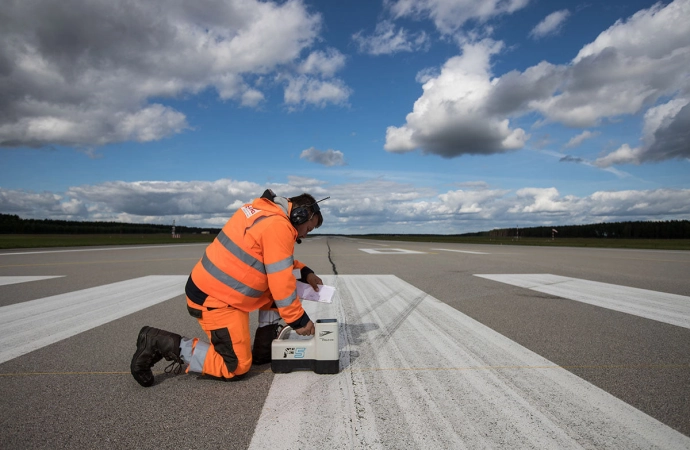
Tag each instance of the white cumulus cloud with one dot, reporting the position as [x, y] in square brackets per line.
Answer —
[325, 63]
[327, 158]
[666, 135]
[449, 16]
[387, 39]
[465, 109]
[576, 141]
[452, 116]
[551, 24]
[371, 206]
[84, 73]
[303, 90]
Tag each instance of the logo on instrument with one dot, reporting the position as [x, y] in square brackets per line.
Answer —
[249, 210]
[294, 352]
[324, 333]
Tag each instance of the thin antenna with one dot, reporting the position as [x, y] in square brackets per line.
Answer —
[315, 206]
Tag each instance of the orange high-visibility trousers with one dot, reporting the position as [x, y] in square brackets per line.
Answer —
[230, 353]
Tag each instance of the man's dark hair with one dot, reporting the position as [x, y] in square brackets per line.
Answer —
[309, 202]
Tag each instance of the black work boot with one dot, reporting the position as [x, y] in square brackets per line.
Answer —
[261, 350]
[152, 346]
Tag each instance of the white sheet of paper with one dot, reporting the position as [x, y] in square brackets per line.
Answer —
[325, 294]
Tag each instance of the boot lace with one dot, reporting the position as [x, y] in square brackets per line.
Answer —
[175, 367]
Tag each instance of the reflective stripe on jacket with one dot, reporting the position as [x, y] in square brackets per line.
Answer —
[249, 265]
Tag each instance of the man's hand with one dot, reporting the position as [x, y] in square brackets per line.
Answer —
[307, 330]
[314, 281]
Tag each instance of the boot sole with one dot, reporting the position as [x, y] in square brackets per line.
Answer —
[141, 346]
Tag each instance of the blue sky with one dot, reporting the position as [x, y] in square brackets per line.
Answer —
[425, 116]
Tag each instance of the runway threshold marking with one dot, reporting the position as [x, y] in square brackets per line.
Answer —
[396, 388]
[662, 307]
[28, 326]
[15, 280]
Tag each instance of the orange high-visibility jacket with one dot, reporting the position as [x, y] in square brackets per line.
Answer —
[249, 265]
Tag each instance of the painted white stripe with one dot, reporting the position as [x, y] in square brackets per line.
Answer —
[662, 307]
[99, 249]
[461, 251]
[15, 280]
[391, 251]
[28, 326]
[417, 373]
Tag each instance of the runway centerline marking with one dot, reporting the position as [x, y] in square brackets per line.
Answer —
[662, 307]
[28, 326]
[461, 251]
[396, 390]
[391, 251]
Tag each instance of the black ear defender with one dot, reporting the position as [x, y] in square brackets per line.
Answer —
[301, 214]
[269, 195]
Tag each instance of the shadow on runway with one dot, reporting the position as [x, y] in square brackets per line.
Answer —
[355, 336]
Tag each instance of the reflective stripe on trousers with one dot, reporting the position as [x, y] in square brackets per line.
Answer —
[193, 352]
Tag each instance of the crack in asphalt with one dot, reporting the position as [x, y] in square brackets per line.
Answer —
[335, 271]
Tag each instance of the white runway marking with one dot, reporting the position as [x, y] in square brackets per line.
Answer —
[28, 326]
[416, 373]
[15, 280]
[461, 251]
[391, 251]
[668, 308]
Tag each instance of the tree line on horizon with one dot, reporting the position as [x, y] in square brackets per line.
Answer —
[13, 224]
[669, 229]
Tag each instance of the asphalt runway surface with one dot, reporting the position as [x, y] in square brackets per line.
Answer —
[442, 346]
